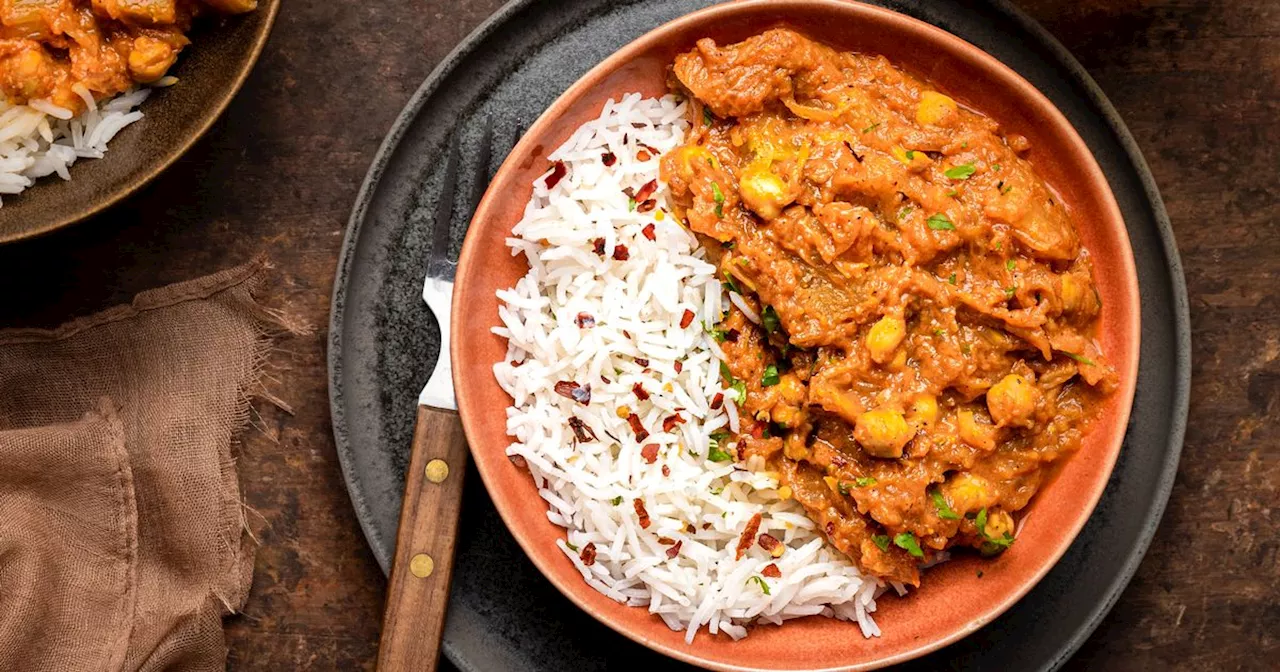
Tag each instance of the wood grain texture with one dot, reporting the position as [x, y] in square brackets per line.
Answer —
[1198, 83]
[419, 590]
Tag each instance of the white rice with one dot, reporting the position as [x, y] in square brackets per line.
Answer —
[40, 138]
[637, 306]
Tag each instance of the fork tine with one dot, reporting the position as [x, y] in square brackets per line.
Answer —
[480, 183]
[438, 254]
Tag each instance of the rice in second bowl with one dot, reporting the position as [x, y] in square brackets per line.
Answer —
[619, 409]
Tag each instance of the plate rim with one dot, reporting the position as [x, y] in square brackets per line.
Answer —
[1058, 54]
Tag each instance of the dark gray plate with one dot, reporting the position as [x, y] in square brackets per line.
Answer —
[503, 615]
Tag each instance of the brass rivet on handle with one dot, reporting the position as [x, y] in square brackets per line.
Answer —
[437, 471]
[422, 565]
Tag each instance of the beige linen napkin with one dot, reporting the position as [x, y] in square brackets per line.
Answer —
[122, 537]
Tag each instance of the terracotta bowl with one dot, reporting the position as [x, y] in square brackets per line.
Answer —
[210, 71]
[953, 601]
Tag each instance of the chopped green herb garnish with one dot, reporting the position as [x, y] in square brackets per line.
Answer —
[991, 545]
[716, 454]
[733, 286]
[769, 318]
[716, 193]
[952, 279]
[910, 154]
[770, 377]
[571, 546]
[906, 210]
[945, 511]
[740, 388]
[995, 167]
[719, 210]
[1006, 190]
[1079, 358]
[907, 542]
[881, 540]
[864, 481]
[938, 332]
[720, 436]
[999, 245]
[953, 193]
[617, 500]
[843, 487]
[1011, 264]
[939, 222]
[961, 172]
[717, 491]
[743, 261]
[1010, 291]
[718, 334]
[764, 585]
[631, 205]
[706, 116]
[981, 521]
[872, 127]
[725, 372]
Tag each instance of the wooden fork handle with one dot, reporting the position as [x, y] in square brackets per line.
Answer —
[418, 594]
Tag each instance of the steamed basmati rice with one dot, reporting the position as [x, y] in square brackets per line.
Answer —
[40, 138]
[682, 566]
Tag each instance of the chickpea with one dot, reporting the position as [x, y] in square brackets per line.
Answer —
[999, 523]
[1012, 401]
[969, 492]
[977, 434]
[765, 193]
[883, 432]
[689, 156]
[791, 389]
[934, 107]
[885, 336]
[923, 411]
[150, 59]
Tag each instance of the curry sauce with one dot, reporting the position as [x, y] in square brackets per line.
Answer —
[51, 48]
[915, 337]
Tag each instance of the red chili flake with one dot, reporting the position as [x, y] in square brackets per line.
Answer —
[679, 366]
[647, 147]
[636, 427]
[838, 460]
[643, 155]
[598, 244]
[706, 526]
[630, 192]
[646, 191]
[666, 471]
[757, 430]
[688, 527]
[642, 362]
[588, 554]
[605, 380]
[519, 461]
[571, 390]
[558, 171]
[609, 159]
[515, 364]
[648, 231]
[675, 550]
[581, 430]
[624, 138]
[686, 319]
[669, 423]
[732, 335]
[647, 206]
[640, 392]
[717, 401]
[636, 124]
[649, 452]
[772, 545]
[641, 515]
[585, 321]
[666, 541]
[771, 570]
[627, 334]
[831, 528]
[748, 536]
[621, 253]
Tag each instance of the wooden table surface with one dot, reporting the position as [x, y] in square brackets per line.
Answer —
[1197, 81]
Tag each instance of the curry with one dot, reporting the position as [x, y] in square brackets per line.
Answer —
[914, 340]
[51, 48]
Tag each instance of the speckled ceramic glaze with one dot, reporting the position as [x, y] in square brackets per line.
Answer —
[953, 600]
[210, 72]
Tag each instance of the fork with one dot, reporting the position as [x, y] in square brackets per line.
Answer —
[418, 593]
